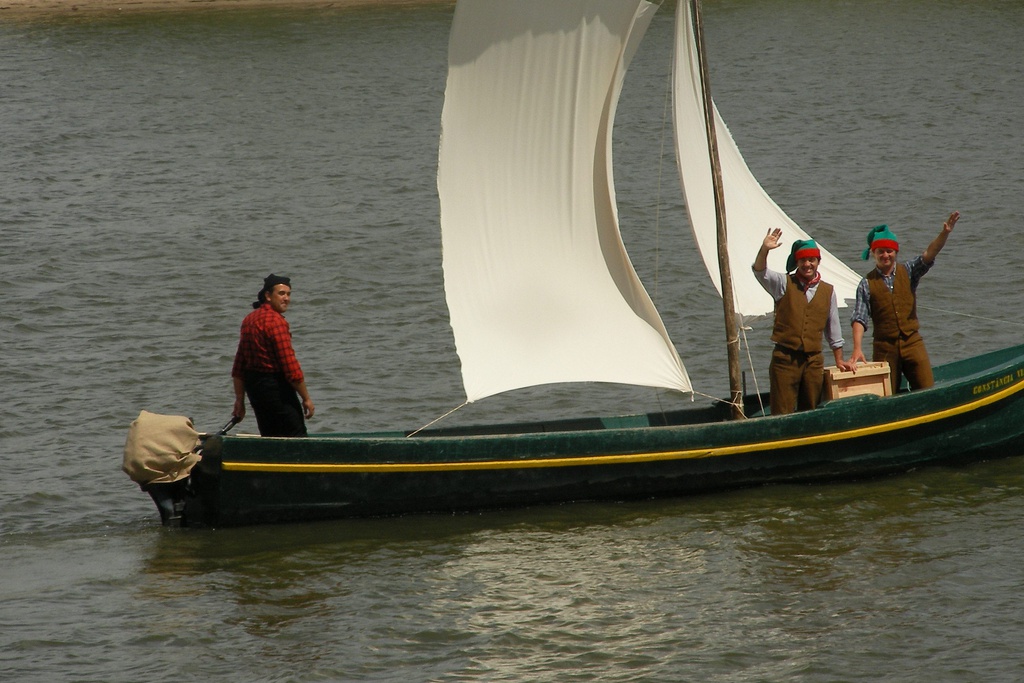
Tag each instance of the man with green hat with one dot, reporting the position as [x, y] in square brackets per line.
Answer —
[887, 296]
[805, 309]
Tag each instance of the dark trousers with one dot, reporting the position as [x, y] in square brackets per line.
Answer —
[906, 357]
[796, 380]
[275, 403]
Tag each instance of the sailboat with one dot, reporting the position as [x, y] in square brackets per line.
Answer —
[540, 290]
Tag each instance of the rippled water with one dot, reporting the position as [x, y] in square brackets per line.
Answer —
[154, 168]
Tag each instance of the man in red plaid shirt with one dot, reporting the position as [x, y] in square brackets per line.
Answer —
[265, 367]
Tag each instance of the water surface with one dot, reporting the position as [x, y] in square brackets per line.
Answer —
[155, 168]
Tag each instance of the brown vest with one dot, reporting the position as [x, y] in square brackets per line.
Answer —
[893, 313]
[799, 323]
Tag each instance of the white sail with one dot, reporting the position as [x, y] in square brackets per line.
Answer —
[538, 284]
[749, 211]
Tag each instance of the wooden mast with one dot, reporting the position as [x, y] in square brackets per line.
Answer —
[728, 300]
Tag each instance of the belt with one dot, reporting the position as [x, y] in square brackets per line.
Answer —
[795, 352]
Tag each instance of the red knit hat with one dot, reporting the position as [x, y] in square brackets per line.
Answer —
[802, 249]
[880, 237]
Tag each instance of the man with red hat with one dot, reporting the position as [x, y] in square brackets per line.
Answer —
[805, 309]
[887, 296]
[265, 367]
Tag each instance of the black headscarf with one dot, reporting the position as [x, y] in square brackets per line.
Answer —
[269, 282]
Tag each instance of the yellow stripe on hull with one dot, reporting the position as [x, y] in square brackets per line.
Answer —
[623, 459]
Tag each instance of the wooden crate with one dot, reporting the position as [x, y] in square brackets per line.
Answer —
[870, 378]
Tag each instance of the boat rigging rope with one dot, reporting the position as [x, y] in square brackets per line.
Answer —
[969, 315]
[753, 372]
[661, 172]
[437, 419]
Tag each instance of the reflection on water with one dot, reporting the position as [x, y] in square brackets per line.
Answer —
[764, 580]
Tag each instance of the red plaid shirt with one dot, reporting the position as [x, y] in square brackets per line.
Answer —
[265, 345]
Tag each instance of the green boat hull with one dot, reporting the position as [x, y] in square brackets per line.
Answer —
[975, 412]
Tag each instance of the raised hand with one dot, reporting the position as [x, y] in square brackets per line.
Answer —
[774, 238]
[947, 227]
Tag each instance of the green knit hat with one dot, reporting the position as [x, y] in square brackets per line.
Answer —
[802, 249]
[880, 237]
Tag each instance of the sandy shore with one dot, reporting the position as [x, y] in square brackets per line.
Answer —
[48, 8]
